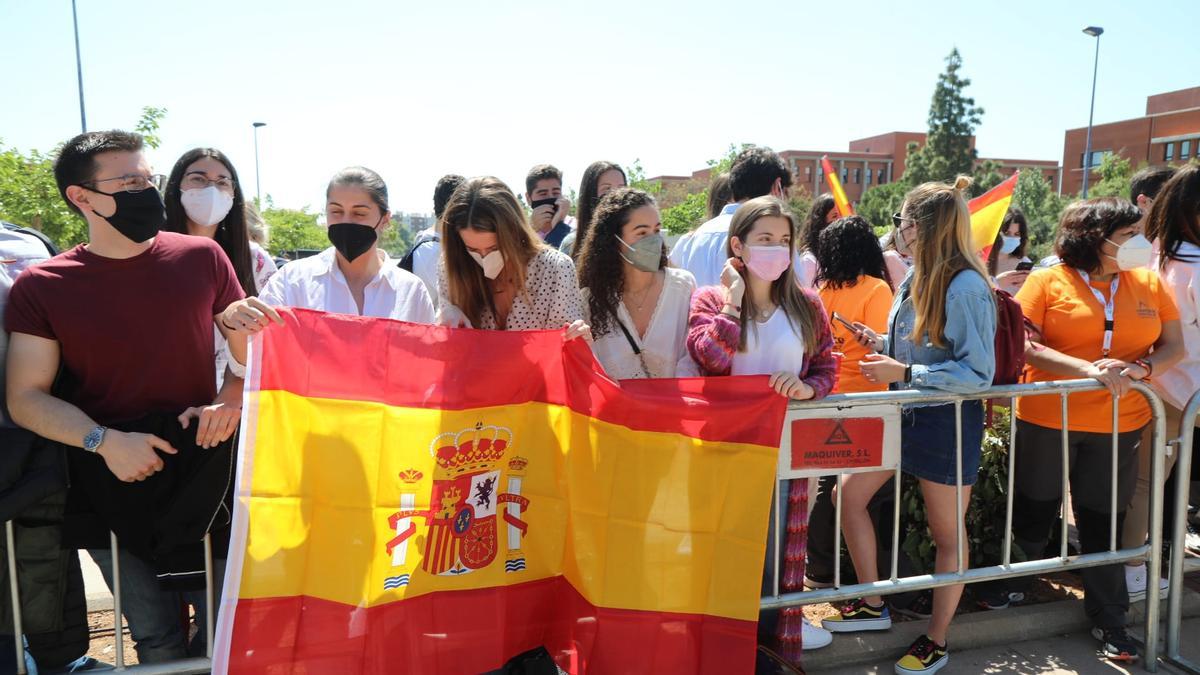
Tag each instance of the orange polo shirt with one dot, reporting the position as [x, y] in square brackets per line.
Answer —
[1072, 322]
[868, 301]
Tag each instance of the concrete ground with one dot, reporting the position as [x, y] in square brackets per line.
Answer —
[1072, 654]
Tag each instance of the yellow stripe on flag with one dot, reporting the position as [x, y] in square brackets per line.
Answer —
[987, 213]
[321, 499]
[835, 186]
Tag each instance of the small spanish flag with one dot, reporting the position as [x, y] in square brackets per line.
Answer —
[835, 185]
[987, 213]
[418, 499]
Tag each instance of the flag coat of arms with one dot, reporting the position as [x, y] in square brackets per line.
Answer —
[417, 499]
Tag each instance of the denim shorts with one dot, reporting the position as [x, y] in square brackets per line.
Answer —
[927, 446]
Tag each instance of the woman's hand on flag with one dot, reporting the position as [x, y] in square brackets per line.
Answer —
[577, 329]
[250, 315]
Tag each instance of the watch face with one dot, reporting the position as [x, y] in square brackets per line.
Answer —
[93, 439]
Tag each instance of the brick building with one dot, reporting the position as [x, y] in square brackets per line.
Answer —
[1168, 133]
[868, 162]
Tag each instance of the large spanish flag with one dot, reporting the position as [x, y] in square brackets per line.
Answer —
[835, 186]
[987, 213]
[416, 499]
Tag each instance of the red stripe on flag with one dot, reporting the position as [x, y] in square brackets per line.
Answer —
[477, 631]
[411, 365]
[994, 195]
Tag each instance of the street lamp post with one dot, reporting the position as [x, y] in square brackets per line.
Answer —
[1096, 32]
[257, 179]
[79, 68]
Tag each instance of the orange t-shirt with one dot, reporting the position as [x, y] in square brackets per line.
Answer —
[1072, 321]
[868, 301]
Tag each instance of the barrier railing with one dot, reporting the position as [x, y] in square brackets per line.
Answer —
[177, 667]
[1151, 553]
[1180, 563]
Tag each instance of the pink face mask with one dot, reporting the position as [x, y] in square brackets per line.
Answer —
[768, 262]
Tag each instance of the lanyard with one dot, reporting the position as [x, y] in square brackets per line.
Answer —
[1107, 304]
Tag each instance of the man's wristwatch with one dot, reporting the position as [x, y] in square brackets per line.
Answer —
[94, 439]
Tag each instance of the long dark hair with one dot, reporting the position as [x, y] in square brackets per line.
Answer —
[600, 268]
[231, 234]
[1013, 215]
[821, 207]
[1175, 215]
[846, 250]
[589, 199]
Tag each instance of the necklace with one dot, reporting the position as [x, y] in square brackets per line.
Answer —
[765, 314]
[645, 294]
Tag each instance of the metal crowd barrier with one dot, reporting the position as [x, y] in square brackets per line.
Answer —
[1180, 564]
[177, 667]
[1150, 553]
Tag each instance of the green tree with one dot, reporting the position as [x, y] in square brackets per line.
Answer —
[29, 197]
[148, 125]
[880, 202]
[953, 117]
[687, 214]
[293, 229]
[987, 176]
[398, 238]
[1042, 207]
[1114, 172]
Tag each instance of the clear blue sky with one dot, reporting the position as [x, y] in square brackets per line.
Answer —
[418, 89]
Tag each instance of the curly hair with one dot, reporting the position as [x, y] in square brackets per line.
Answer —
[1086, 224]
[817, 216]
[601, 269]
[846, 250]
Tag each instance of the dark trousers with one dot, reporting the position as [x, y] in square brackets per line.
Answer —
[821, 529]
[1038, 497]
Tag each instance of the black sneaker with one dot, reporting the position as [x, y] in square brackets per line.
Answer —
[992, 599]
[920, 607]
[1117, 645]
[924, 656]
[856, 616]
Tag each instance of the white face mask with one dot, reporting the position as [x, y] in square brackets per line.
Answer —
[206, 206]
[1136, 252]
[491, 263]
[1010, 244]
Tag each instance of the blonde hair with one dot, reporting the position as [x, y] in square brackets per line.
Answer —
[257, 229]
[484, 204]
[943, 248]
[785, 292]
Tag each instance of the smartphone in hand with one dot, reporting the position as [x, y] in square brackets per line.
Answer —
[849, 326]
[1024, 266]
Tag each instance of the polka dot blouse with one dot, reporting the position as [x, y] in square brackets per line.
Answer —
[550, 301]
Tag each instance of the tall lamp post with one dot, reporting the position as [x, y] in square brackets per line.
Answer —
[79, 69]
[257, 179]
[1096, 32]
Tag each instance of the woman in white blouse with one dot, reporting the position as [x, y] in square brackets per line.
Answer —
[636, 305]
[353, 276]
[496, 273]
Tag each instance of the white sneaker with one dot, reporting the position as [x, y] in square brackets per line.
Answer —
[1191, 539]
[1135, 583]
[813, 637]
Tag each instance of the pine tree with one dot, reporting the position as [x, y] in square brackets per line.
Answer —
[953, 117]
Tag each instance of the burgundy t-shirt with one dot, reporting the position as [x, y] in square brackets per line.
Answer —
[136, 334]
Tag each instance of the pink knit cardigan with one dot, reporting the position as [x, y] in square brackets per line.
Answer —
[713, 338]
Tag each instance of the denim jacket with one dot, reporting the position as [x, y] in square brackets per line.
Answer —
[968, 361]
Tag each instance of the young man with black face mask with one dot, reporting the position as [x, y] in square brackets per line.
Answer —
[115, 332]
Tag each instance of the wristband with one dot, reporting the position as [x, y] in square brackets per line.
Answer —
[226, 325]
[1147, 366]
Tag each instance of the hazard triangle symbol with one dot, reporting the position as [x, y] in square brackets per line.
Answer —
[838, 436]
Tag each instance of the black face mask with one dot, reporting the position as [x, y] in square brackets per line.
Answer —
[139, 215]
[352, 239]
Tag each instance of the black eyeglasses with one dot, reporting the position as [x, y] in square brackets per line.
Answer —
[134, 182]
[899, 220]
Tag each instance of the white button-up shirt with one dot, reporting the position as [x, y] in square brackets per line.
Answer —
[318, 283]
[703, 250]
